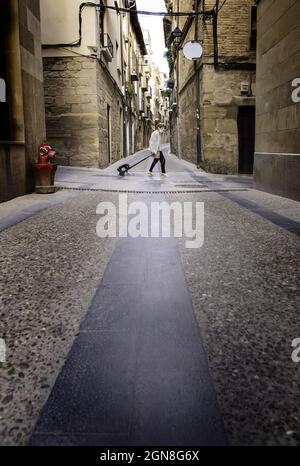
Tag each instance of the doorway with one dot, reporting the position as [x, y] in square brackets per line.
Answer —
[246, 130]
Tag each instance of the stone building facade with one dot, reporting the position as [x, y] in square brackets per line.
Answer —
[91, 112]
[22, 101]
[213, 98]
[277, 154]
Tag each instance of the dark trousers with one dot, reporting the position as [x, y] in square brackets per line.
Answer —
[162, 161]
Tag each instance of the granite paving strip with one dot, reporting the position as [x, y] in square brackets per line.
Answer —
[29, 211]
[51, 265]
[244, 285]
[288, 224]
[268, 214]
[137, 373]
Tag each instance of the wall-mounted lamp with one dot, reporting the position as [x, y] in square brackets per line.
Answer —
[177, 33]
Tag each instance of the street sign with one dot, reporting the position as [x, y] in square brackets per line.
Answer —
[192, 50]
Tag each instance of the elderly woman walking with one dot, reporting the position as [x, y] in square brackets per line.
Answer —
[155, 147]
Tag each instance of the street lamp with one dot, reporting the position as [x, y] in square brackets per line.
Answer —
[177, 33]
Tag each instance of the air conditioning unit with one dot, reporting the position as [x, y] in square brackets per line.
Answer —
[106, 53]
[107, 48]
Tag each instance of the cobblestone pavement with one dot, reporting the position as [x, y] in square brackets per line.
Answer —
[59, 281]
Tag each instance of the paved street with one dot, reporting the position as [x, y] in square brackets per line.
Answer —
[143, 341]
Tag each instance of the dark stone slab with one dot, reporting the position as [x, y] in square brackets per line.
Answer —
[137, 374]
[90, 440]
[114, 308]
[94, 392]
[290, 225]
[28, 212]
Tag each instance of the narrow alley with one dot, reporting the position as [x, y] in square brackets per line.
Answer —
[142, 341]
[149, 230]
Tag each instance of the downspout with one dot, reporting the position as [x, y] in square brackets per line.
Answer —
[177, 89]
[215, 35]
[196, 69]
[123, 86]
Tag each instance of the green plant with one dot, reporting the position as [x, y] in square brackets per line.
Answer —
[169, 6]
[171, 52]
[166, 92]
[170, 83]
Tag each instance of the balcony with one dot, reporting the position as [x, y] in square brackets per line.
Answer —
[148, 94]
[144, 84]
[141, 106]
[107, 48]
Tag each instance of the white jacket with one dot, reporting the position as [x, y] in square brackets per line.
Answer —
[155, 142]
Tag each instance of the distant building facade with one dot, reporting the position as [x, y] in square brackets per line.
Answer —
[92, 81]
[277, 152]
[22, 114]
[213, 98]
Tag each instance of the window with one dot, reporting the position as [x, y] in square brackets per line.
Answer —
[253, 33]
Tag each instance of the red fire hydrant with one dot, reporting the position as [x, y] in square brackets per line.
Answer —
[44, 169]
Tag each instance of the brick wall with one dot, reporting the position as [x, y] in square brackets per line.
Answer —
[234, 23]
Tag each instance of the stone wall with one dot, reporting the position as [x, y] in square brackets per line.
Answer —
[277, 158]
[71, 109]
[220, 89]
[16, 155]
[78, 92]
[220, 98]
[12, 171]
[109, 94]
[188, 122]
[219, 111]
[32, 78]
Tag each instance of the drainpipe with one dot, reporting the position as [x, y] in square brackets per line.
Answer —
[14, 73]
[123, 86]
[215, 35]
[198, 147]
[177, 88]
